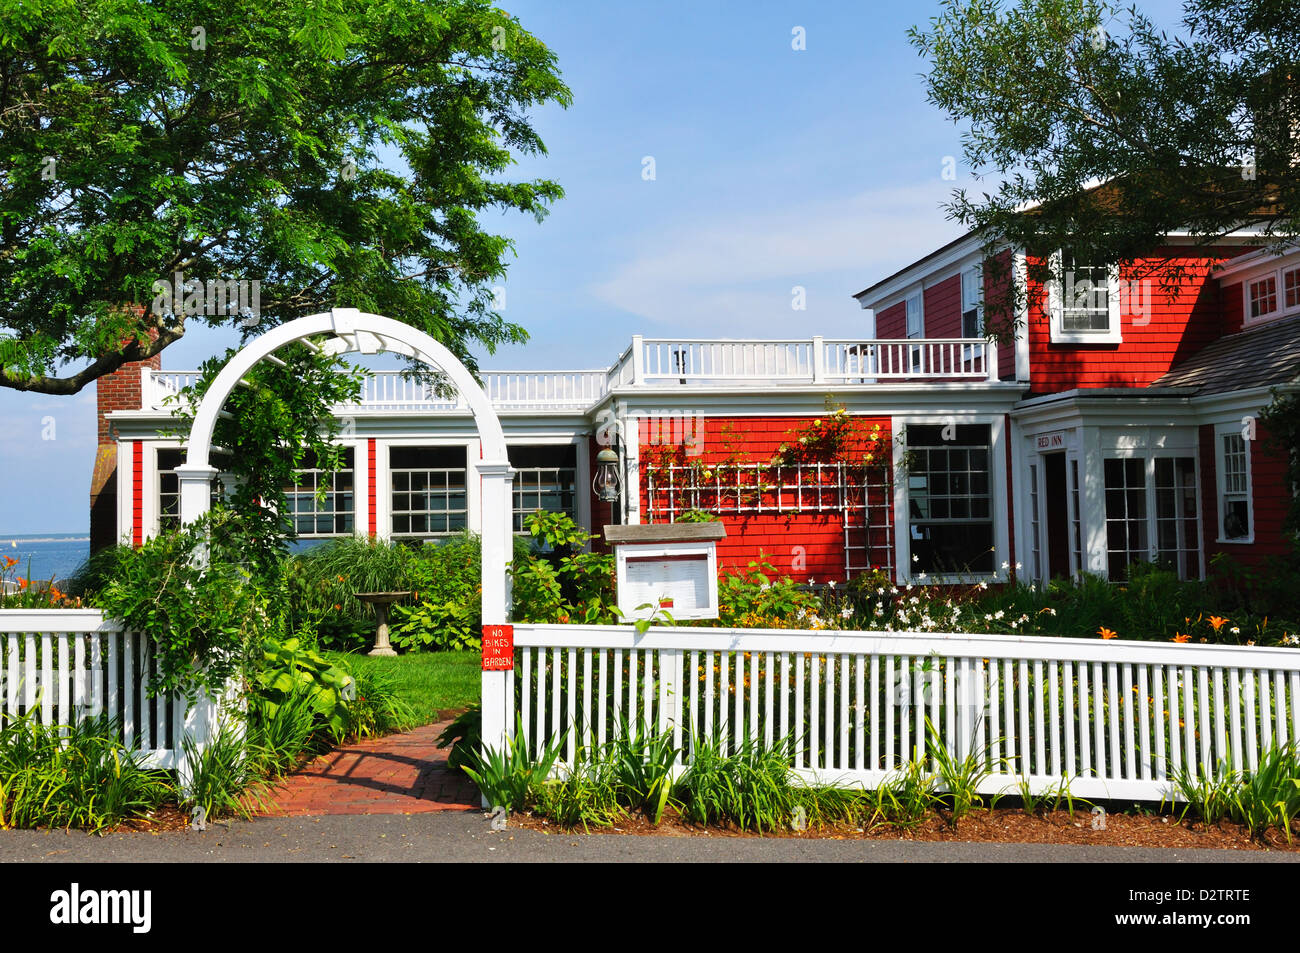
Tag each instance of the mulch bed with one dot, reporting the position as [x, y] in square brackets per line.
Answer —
[1000, 825]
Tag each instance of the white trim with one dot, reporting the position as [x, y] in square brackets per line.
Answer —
[1020, 276]
[1220, 465]
[997, 492]
[889, 293]
[1055, 308]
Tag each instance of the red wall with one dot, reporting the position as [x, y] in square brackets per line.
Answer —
[891, 323]
[1178, 323]
[943, 309]
[775, 537]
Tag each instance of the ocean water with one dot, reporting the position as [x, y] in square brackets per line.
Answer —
[43, 556]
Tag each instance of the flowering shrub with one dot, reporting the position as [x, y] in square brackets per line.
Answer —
[23, 592]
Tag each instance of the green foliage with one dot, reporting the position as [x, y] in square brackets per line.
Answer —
[74, 776]
[377, 706]
[1191, 131]
[290, 674]
[448, 608]
[1261, 800]
[512, 777]
[757, 598]
[257, 145]
[321, 587]
[204, 618]
[587, 796]
[464, 736]
[226, 773]
[642, 765]
[958, 777]
[749, 788]
[567, 585]
[697, 516]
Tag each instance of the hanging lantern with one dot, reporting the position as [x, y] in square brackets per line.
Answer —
[607, 485]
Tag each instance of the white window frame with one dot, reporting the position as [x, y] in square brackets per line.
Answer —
[1220, 474]
[914, 326]
[972, 298]
[1055, 307]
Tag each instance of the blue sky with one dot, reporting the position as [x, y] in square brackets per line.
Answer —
[774, 168]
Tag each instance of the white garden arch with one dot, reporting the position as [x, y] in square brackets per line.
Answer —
[353, 330]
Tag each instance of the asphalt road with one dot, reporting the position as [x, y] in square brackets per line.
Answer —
[467, 838]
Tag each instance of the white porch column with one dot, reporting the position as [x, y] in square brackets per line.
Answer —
[195, 490]
[1092, 501]
[498, 546]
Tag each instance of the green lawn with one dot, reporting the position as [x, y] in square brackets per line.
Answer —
[427, 681]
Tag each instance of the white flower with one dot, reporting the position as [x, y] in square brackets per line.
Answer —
[879, 612]
[893, 590]
[1006, 565]
[999, 614]
[880, 591]
[984, 585]
[916, 559]
[921, 576]
[1018, 567]
[812, 581]
[1235, 631]
[987, 617]
[831, 583]
[845, 613]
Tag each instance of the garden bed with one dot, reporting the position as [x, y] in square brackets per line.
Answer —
[1002, 825]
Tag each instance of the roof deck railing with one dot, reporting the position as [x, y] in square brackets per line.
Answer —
[664, 362]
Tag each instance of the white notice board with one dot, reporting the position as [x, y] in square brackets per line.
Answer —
[679, 578]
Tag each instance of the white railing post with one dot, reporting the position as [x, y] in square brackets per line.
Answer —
[991, 359]
[497, 543]
[819, 359]
[147, 389]
[638, 360]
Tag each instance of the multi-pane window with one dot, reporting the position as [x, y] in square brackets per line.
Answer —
[545, 479]
[950, 501]
[1235, 471]
[169, 488]
[1085, 294]
[321, 504]
[1263, 296]
[428, 490]
[1291, 286]
[1126, 515]
[972, 310]
[1178, 530]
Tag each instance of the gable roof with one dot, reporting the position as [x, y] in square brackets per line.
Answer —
[1264, 356]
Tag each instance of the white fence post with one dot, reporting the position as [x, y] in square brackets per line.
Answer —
[497, 545]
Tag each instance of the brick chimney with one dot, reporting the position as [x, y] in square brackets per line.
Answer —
[120, 390]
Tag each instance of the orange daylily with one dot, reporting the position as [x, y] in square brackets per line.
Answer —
[22, 583]
[1106, 633]
[1218, 622]
[10, 562]
[1178, 637]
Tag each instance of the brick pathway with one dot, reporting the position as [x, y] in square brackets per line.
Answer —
[397, 774]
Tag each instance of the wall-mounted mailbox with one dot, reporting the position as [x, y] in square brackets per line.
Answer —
[668, 566]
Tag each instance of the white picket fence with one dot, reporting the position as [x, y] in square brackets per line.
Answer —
[1110, 719]
[62, 666]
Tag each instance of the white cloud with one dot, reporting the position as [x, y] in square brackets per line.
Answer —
[714, 273]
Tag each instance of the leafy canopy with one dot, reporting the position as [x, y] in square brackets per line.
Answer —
[1193, 131]
[255, 140]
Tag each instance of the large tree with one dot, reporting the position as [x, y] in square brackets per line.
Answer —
[1197, 131]
[339, 152]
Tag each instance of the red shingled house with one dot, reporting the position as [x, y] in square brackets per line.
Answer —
[1118, 427]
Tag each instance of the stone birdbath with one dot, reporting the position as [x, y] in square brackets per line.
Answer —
[381, 601]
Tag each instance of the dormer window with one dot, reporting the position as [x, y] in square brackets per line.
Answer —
[1263, 297]
[915, 329]
[1083, 301]
[1272, 295]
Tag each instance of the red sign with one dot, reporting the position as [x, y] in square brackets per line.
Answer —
[498, 648]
